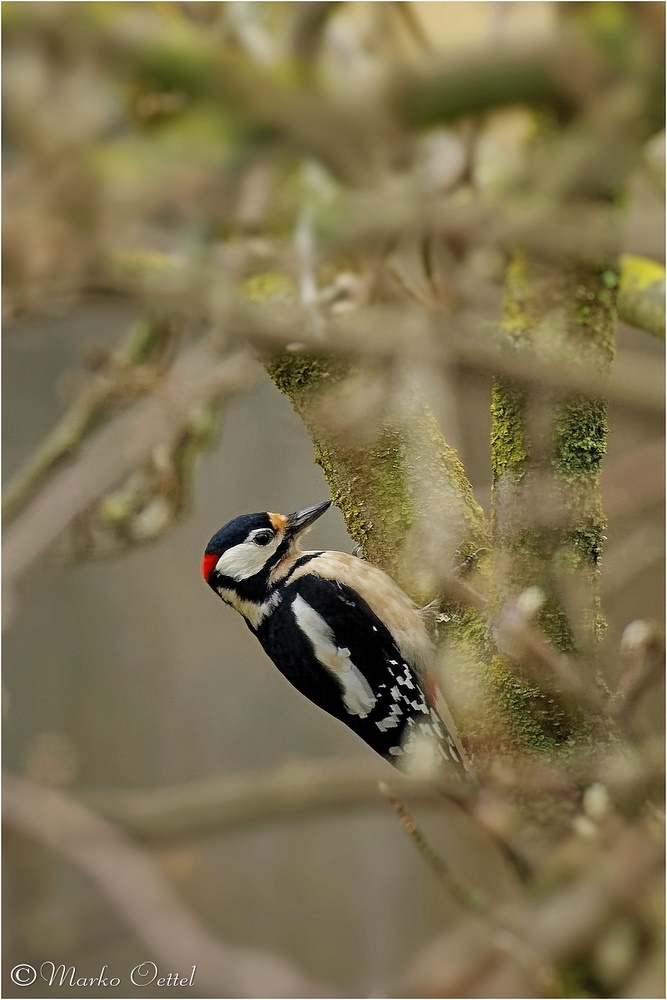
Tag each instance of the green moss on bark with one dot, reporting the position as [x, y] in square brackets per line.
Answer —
[580, 438]
[300, 376]
[508, 441]
[385, 488]
[548, 523]
[499, 712]
[369, 487]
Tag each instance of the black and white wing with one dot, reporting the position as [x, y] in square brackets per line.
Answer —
[345, 660]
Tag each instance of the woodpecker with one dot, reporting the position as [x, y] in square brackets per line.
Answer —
[338, 628]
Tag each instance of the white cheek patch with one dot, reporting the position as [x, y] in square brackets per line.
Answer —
[245, 560]
[357, 694]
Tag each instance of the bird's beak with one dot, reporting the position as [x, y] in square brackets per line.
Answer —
[301, 520]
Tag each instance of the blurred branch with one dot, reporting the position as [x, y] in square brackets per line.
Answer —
[388, 332]
[523, 642]
[550, 228]
[517, 951]
[300, 790]
[635, 383]
[199, 374]
[309, 789]
[217, 805]
[308, 22]
[565, 923]
[412, 22]
[643, 645]
[134, 885]
[487, 80]
[641, 295]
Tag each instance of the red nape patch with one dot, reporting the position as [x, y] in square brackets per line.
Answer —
[207, 565]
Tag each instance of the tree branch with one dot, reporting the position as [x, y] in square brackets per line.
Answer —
[565, 313]
[394, 479]
[407, 477]
[218, 805]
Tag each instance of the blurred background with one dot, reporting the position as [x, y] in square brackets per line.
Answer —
[122, 670]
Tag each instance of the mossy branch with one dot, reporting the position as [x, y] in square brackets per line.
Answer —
[379, 487]
[386, 485]
[546, 456]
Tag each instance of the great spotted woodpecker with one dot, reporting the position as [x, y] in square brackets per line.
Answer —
[339, 629]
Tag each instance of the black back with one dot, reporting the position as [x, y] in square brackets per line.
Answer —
[373, 651]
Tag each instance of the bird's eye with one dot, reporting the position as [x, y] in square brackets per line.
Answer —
[263, 537]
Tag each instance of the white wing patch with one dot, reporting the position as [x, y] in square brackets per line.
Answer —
[391, 720]
[357, 694]
[400, 699]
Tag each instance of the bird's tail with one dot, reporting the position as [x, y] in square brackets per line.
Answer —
[451, 740]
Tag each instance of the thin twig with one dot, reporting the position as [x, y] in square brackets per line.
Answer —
[521, 640]
[644, 645]
[467, 897]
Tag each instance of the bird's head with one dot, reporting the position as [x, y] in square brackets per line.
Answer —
[242, 555]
